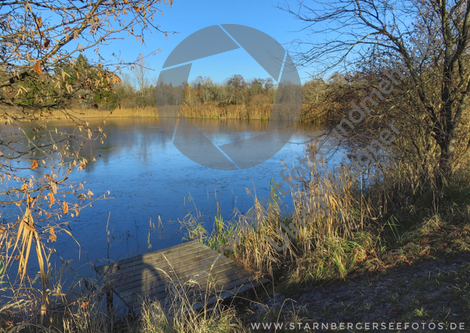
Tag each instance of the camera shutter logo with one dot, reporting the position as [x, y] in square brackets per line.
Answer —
[241, 154]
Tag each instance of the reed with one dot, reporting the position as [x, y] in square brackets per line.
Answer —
[336, 231]
[82, 309]
[259, 112]
[256, 112]
[323, 242]
[70, 114]
[116, 113]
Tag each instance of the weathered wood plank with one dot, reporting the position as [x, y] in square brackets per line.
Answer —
[165, 266]
[181, 269]
[184, 275]
[203, 274]
[198, 304]
[151, 281]
[159, 290]
[193, 249]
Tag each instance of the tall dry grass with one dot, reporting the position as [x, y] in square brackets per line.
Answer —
[229, 112]
[344, 222]
[324, 238]
[86, 313]
[210, 110]
[70, 114]
[116, 113]
[259, 112]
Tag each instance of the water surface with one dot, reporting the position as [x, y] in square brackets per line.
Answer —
[151, 181]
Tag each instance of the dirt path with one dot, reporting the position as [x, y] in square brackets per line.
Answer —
[426, 293]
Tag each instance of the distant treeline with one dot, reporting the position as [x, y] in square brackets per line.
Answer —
[234, 98]
[324, 101]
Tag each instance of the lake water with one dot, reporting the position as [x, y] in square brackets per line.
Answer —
[150, 181]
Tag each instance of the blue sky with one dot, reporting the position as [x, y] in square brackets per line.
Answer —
[187, 17]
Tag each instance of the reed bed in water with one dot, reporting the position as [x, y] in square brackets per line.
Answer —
[230, 111]
[116, 113]
[256, 112]
[260, 112]
[88, 114]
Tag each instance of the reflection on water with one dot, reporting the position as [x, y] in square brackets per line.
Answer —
[150, 180]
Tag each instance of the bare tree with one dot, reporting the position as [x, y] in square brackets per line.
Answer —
[140, 73]
[426, 39]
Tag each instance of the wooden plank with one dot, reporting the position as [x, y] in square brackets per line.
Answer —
[227, 273]
[155, 281]
[132, 273]
[161, 285]
[150, 275]
[191, 249]
[199, 304]
[162, 266]
[223, 285]
[225, 270]
[181, 270]
[174, 251]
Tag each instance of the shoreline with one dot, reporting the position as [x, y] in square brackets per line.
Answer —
[233, 112]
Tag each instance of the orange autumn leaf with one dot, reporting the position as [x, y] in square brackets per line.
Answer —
[65, 207]
[116, 79]
[34, 165]
[84, 304]
[136, 8]
[53, 236]
[51, 198]
[37, 67]
[30, 201]
[39, 22]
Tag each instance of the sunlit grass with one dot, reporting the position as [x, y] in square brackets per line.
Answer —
[208, 111]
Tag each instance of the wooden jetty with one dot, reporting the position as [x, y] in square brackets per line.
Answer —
[189, 273]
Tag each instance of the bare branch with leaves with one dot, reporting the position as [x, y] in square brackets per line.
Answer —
[41, 70]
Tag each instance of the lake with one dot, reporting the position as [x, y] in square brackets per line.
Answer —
[150, 182]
